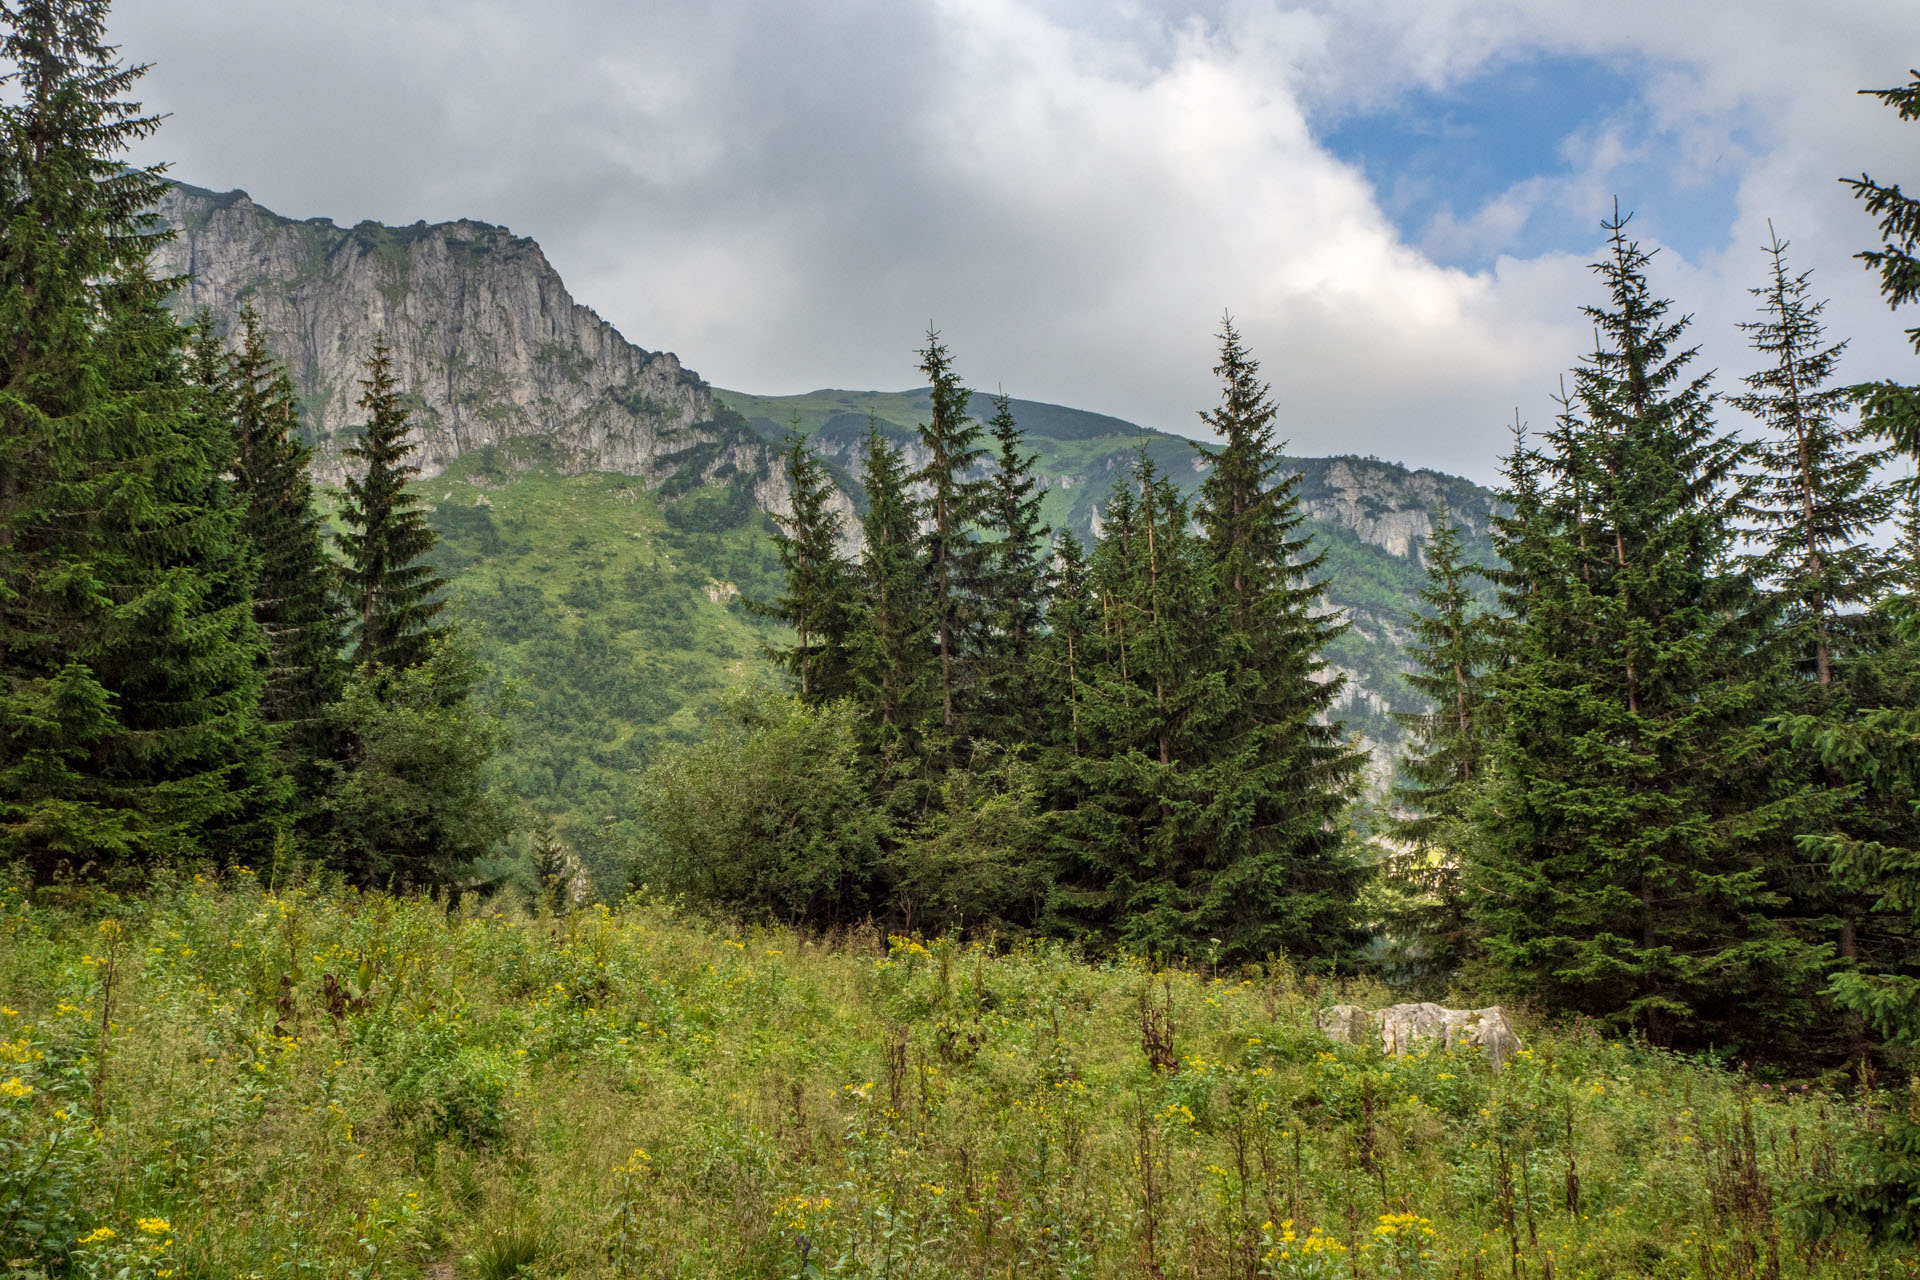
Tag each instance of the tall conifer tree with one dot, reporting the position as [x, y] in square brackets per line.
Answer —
[952, 554]
[1445, 757]
[888, 646]
[1818, 503]
[1211, 784]
[1063, 650]
[1621, 859]
[128, 683]
[390, 588]
[295, 587]
[1014, 587]
[1280, 770]
[818, 598]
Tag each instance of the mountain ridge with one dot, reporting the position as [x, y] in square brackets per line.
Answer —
[504, 370]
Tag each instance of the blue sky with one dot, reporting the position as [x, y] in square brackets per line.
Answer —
[1443, 154]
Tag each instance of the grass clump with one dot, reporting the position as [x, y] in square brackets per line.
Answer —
[317, 1082]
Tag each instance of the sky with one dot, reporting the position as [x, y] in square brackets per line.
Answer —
[1396, 200]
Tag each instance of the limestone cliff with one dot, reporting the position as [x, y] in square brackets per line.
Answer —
[488, 345]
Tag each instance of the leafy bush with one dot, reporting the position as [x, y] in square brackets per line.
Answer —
[766, 816]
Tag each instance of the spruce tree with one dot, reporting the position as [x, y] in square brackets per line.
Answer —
[1104, 869]
[1279, 771]
[1818, 503]
[390, 590]
[128, 685]
[294, 593]
[951, 553]
[1014, 586]
[1623, 846]
[1873, 745]
[1210, 785]
[888, 644]
[1445, 758]
[1063, 650]
[1891, 407]
[818, 599]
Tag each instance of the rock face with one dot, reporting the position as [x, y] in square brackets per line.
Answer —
[488, 345]
[1402, 1027]
[1389, 506]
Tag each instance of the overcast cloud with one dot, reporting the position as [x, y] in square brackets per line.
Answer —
[786, 193]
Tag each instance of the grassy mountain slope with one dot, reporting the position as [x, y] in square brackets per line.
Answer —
[613, 617]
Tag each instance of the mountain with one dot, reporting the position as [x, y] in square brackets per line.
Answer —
[491, 349]
[601, 506]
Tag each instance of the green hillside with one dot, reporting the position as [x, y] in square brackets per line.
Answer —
[612, 617]
[614, 614]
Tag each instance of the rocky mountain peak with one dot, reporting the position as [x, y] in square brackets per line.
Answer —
[489, 346]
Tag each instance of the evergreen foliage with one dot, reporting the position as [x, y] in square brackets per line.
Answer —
[953, 555]
[1453, 657]
[818, 580]
[129, 733]
[390, 588]
[1621, 857]
[1210, 791]
[1063, 649]
[408, 805]
[1014, 587]
[1894, 407]
[1280, 772]
[888, 644]
[293, 581]
[1817, 503]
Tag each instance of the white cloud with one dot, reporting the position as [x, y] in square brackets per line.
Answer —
[785, 194]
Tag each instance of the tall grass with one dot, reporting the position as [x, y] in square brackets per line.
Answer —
[315, 1082]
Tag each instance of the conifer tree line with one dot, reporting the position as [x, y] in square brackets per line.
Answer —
[1666, 781]
[187, 671]
[1127, 745]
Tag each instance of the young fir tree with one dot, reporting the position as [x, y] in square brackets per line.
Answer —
[295, 589]
[1818, 502]
[1453, 657]
[953, 556]
[390, 590]
[1113, 794]
[1014, 587]
[1818, 505]
[1891, 407]
[1279, 772]
[1620, 858]
[128, 683]
[888, 649]
[818, 601]
[1063, 648]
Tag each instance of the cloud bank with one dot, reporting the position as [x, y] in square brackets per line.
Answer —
[786, 195]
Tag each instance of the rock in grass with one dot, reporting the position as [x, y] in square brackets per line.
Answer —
[1402, 1027]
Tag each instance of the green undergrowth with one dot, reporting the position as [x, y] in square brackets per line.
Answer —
[221, 1079]
[614, 617]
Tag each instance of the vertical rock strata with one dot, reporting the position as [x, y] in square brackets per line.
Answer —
[487, 342]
